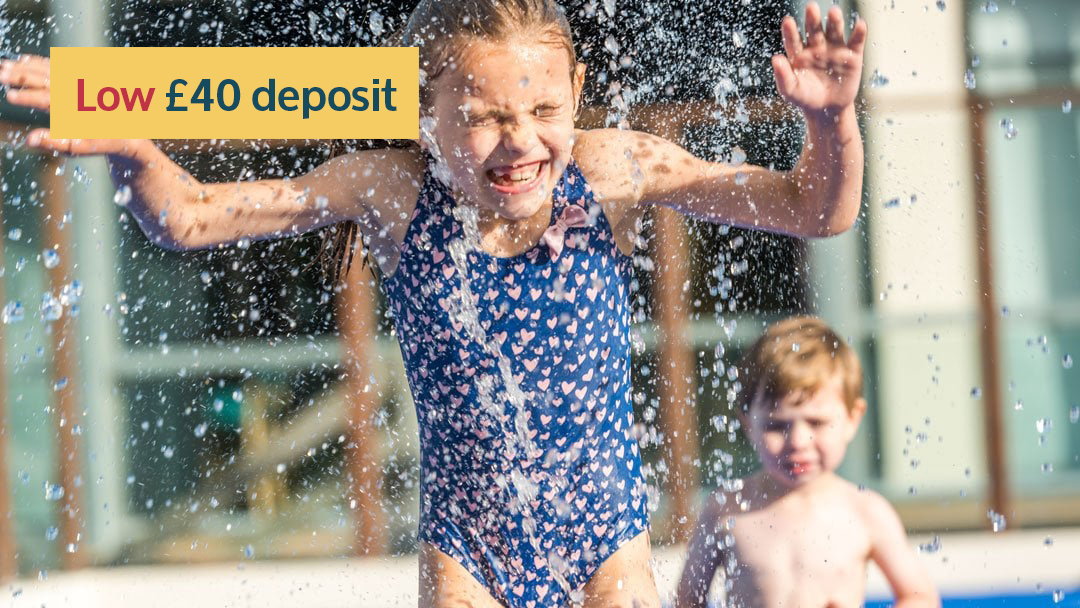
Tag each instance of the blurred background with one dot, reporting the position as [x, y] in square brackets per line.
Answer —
[224, 423]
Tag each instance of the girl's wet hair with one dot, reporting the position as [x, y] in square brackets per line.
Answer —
[443, 30]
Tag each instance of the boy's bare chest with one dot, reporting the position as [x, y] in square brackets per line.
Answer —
[811, 556]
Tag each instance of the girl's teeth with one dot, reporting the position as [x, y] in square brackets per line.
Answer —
[518, 175]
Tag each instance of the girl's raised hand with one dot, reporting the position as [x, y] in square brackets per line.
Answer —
[820, 75]
[27, 82]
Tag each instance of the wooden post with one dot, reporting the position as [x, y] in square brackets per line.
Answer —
[678, 411]
[356, 319]
[993, 401]
[65, 367]
[262, 488]
[9, 566]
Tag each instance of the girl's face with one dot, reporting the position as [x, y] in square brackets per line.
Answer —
[802, 437]
[504, 124]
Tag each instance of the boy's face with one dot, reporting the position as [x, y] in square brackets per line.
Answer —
[802, 437]
[504, 123]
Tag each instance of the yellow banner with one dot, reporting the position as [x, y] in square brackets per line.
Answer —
[234, 93]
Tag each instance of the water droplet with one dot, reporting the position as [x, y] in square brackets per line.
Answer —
[322, 202]
[1048, 541]
[53, 491]
[878, 80]
[990, 7]
[1059, 596]
[976, 392]
[15, 234]
[60, 384]
[123, 195]
[376, 23]
[13, 312]
[1067, 361]
[238, 396]
[1066, 106]
[1074, 414]
[940, 5]
[1043, 425]
[205, 277]
[997, 520]
[931, 547]
[218, 405]
[50, 258]
[969, 80]
[200, 430]
[51, 308]
[249, 551]
[51, 533]
[741, 177]
[609, 7]
[1010, 128]
[738, 39]
[892, 203]
[611, 45]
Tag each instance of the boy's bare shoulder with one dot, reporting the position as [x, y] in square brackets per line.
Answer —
[873, 507]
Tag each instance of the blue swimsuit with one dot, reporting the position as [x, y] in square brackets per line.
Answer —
[530, 473]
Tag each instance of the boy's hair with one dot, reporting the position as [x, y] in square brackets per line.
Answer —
[442, 29]
[798, 355]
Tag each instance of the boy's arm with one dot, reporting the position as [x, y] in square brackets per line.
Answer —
[890, 551]
[703, 558]
[819, 197]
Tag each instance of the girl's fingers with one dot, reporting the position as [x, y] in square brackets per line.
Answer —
[786, 80]
[39, 139]
[17, 77]
[858, 37]
[37, 99]
[789, 31]
[34, 62]
[834, 32]
[815, 36]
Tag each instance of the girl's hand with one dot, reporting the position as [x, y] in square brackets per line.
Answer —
[27, 81]
[821, 75]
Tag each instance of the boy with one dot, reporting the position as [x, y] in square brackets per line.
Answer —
[796, 534]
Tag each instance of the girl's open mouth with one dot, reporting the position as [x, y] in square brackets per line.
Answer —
[517, 179]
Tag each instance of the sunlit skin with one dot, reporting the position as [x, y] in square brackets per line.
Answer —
[509, 107]
[802, 535]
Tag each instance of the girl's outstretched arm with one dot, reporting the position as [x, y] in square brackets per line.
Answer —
[819, 197]
[177, 211]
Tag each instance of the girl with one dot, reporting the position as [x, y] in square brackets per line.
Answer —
[503, 242]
